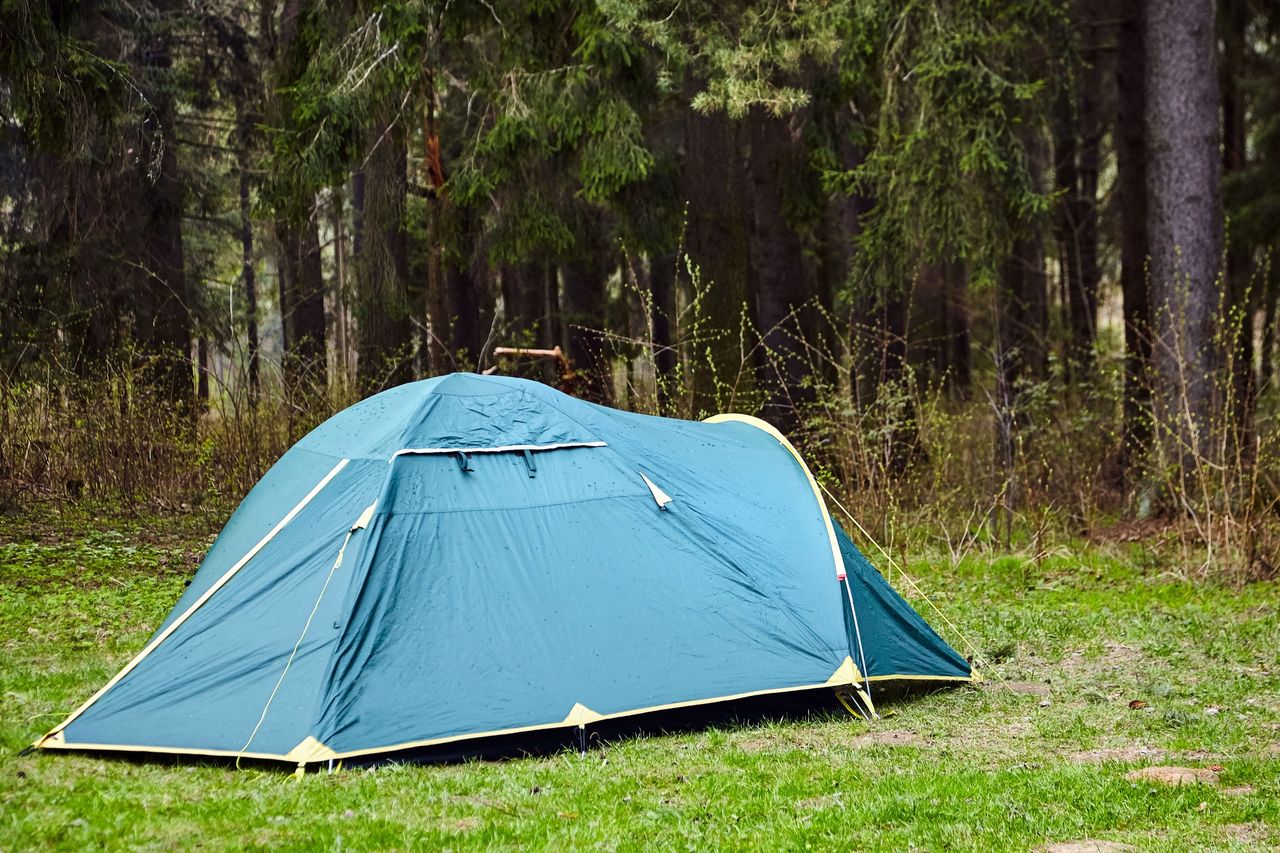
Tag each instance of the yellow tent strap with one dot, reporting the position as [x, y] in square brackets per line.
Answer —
[845, 703]
[977, 656]
[866, 700]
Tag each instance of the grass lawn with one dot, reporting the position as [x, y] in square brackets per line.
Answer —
[1043, 760]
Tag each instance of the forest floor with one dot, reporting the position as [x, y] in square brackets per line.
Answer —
[1114, 659]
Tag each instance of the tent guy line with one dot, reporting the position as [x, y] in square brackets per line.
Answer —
[361, 523]
[173, 626]
[466, 606]
[977, 656]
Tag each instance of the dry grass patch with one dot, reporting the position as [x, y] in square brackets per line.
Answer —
[1174, 775]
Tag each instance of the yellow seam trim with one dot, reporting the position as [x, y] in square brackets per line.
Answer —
[328, 753]
[580, 714]
[836, 557]
[921, 678]
[633, 712]
[826, 514]
[54, 743]
[199, 602]
[310, 750]
[846, 673]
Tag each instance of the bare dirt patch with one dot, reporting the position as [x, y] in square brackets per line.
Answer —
[1115, 658]
[781, 743]
[1088, 845]
[1024, 688]
[1254, 832]
[1125, 754]
[767, 743]
[1174, 775]
[887, 738]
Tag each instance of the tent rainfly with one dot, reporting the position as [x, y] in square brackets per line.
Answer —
[470, 556]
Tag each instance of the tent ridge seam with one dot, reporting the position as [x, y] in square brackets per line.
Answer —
[645, 494]
[506, 448]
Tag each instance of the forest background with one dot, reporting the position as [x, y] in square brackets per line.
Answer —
[1004, 270]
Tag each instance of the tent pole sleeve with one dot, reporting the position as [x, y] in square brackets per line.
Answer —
[199, 602]
[837, 560]
[862, 658]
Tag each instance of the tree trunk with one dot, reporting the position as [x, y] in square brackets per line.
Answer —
[583, 313]
[467, 296]
[202, 372]
[782, 288]
[357, 213]
[1021, 352]
[1076, 133]
[296, 357]
[891, 349]
[164, 318]
[165, 327]
[384, 356]
[549, 321]
[521, 297]
[463, 289]
[343, 357]
[939, 335]
[1184, 220]
[1233, 23]
[285, 270]
[1022, 321]
[959, 343]
[662, 307]
[250, 283]
[850, 210]
[307, 334]
[1067, 182]
[1085, 214]
[439, 345]
[304, 359]
[1271, 296]
[718, 243]
[1131, 192]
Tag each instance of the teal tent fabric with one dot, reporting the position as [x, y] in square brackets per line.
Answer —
[471, 555]
[896, 642]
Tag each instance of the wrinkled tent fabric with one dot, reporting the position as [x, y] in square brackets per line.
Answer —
[473, 555]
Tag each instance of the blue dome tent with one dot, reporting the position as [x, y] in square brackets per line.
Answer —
[471, 556]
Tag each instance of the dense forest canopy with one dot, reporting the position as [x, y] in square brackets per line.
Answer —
[923, 236]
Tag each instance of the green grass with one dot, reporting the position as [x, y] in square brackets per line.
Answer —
[1080, 636]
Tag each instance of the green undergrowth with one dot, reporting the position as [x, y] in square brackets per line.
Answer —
[1039, 754]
